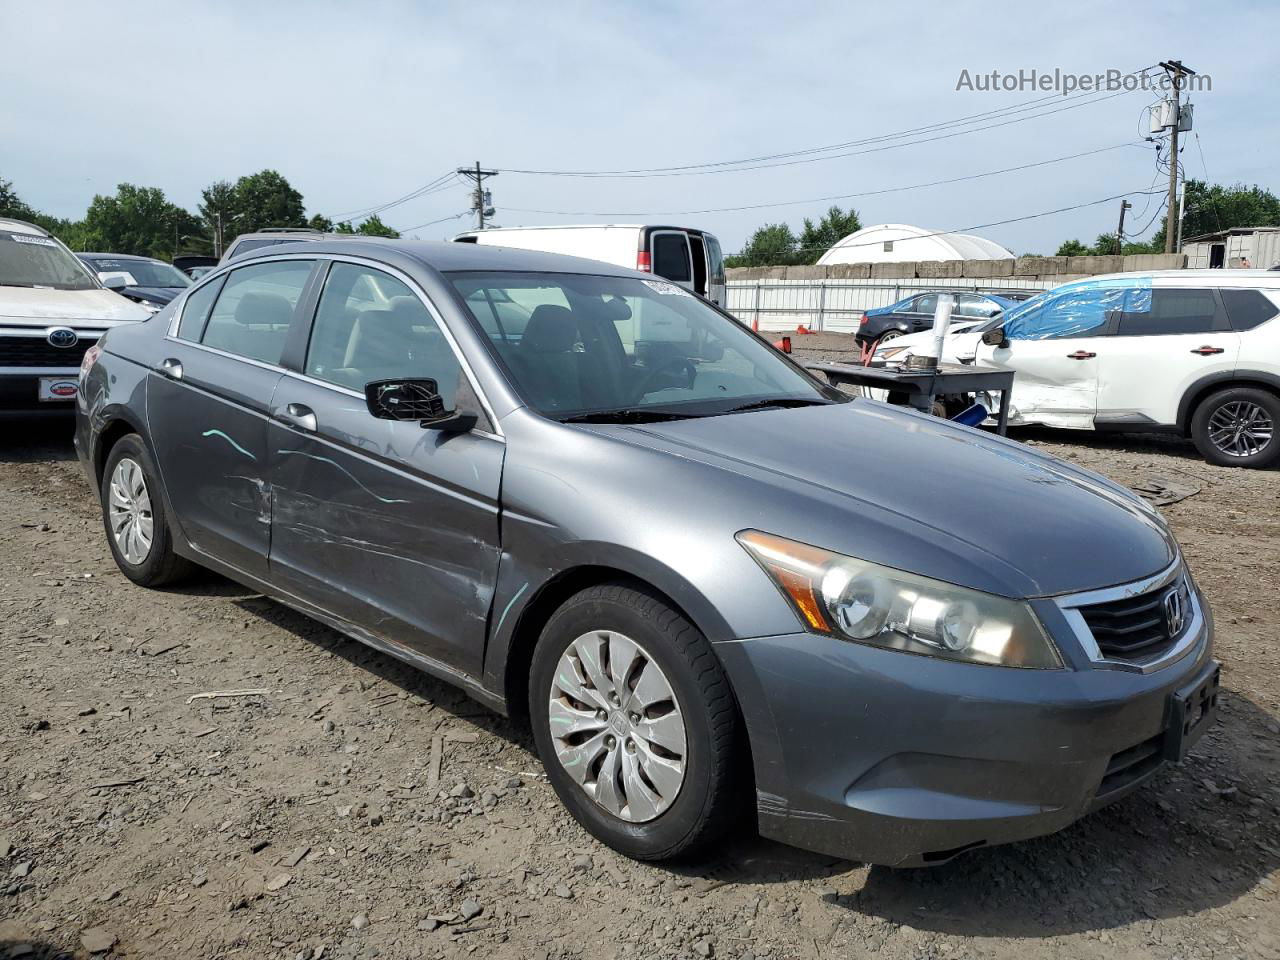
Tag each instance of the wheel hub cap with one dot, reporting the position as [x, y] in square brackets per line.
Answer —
[129, 511]
[1240, 428]
[617, 726]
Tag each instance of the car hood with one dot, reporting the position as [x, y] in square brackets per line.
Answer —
[160, 295]
[32, 306]
[925, 495]
[960, 345]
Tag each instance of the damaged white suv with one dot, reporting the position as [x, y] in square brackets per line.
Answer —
[1192, 351]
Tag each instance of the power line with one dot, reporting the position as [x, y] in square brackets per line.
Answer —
[734, 166]
[980, 226]
[843, 196]
[432, 223]
[441, 182]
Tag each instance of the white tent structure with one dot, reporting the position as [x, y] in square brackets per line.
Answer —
[896, 242]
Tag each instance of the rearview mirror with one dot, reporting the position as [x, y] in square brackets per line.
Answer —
[995, 337]
[415, 400]
[114, 281]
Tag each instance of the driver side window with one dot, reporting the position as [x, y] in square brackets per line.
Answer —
[370, 326]
[1077, 313]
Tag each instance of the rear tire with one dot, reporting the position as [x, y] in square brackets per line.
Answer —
[134, 518]
[1236, 427]
[657, 772]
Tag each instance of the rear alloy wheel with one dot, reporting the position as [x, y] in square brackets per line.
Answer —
[635, 723]
[1236, 427]
[887, 336]
[133, 514]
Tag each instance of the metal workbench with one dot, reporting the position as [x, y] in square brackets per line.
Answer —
[921, 386]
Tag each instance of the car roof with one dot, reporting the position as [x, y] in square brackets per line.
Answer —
[14, 225]
[120, 256]
[445, 256]
[1203, 276]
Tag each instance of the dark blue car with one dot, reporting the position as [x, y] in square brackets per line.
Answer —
[915, 313]
[152, 283]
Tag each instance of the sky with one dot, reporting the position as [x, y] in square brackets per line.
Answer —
[358, 104]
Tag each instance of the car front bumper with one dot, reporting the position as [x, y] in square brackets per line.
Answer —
[905, 760]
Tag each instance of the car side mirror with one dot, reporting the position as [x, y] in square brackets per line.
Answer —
[995, 337]
[415, 400]
[114, 281]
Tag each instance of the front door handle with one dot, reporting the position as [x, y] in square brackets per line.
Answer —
[1208, 351]
[299, 415]
[171, 368]
[1081, 355]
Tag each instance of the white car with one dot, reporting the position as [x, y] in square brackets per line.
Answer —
[683, 255]
[52, 309]
[1190, 351]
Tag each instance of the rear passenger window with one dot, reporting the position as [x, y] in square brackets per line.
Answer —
[671, 256]
[252, 314]
[370, 326]
[1170, 312]
[195, 311]
[1247, 308]
[926, 304]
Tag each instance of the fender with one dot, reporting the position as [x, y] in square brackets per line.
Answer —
[1240, 375]
[522, 582]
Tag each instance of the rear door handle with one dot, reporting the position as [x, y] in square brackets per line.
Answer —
[171, 368]
[298, 415]
[1208, 351]
[1081, 355]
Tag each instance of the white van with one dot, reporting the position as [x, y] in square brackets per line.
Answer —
[52, 309]
[689, 257]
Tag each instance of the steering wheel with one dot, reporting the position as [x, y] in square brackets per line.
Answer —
[686, 367]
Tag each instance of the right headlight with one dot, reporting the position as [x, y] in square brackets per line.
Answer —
[861, 601]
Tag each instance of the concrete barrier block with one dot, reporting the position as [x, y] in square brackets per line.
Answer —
[981, 269]
[1039, 266]
[1092, 266]
[1155, 261]
[893, 271]
[940, 269]
[849, 271]
[807, 272]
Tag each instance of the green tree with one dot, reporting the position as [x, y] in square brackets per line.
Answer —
[1210, 208]
[218, 212]
[1073, 248]
[374, 227]
[815, 240]
[266, 199]
[771, 245]
[320, 222]
[11, 205]
[140, 220]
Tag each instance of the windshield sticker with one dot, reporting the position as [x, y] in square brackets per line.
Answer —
[39, 241]
[666, 289]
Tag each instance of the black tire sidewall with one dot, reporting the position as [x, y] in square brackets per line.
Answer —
[1200, 427]
[669, 834]
[154, 568]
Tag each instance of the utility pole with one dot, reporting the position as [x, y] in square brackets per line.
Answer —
[1176, 72]
[480, 197]
[1124, 205]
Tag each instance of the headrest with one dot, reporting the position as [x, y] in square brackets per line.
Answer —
[551, 329]
[269, 308]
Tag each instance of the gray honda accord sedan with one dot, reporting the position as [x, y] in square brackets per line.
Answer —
[595, 501]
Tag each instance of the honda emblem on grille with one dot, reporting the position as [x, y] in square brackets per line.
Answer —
[1175, 611]
[62, 337]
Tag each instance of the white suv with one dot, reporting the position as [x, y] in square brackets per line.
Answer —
[52, 309]
[1192, 351]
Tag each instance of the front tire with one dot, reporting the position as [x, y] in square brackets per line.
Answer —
[133, 515]
[1236, 427]
[635, 723]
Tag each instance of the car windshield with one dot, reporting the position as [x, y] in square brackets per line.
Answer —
[31, 261]
[141, 273]
[584, 347]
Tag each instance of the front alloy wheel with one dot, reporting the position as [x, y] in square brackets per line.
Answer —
[635, 723]
[617, 726]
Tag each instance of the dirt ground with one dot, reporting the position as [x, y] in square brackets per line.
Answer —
[302, 820]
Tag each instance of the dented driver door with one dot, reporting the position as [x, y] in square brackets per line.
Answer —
[1053, 350]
